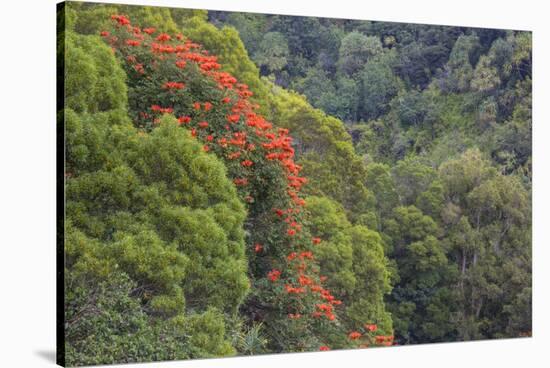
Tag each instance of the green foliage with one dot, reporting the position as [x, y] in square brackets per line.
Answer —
[226, 44]
[352, 256]
[433, 104]
[272, 52]
[379, 86]
[416, 142]
[153, 221]
[325, 150]
[356, 49]
[93, 81]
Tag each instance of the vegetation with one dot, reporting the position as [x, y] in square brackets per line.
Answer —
[243, 184]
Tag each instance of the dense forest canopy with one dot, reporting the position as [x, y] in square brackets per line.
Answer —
[243, 183]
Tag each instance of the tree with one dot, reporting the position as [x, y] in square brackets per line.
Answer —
[355, 51]
[485, 78]
[353, 258]
[379, 86]
[489, 238]
[272, 52]
[458, 71]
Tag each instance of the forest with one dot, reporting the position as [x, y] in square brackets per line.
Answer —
[241, 184]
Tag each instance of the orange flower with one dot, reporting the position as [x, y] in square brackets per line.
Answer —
[316, 240]
[120, 19]
[173, 85]
[184, 119]
[371, 327]
[162, 110]
[292, 290]
[354, 335]
[234, 155]
[240, 181]
[163, 37]
[133, 42]
[233, 118]
[274, 275]
[258, 248]
[149, 30]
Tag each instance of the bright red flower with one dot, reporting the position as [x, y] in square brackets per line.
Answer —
[120, 19]
[163, 37]
[233, 118]
[247, 163]
[197, 105]
[173, 85]
[324, 348]
[207, 106]
[104, 34]
[181, 64]
[316, 240]
[293, 290]
[184, 119]
[133, 42]
[162, 110]
[149, 30]
[203, 124]
[258, 248]
[354, 335]
[234, 155]
[240, 181]
[274, 275]
[371, 327]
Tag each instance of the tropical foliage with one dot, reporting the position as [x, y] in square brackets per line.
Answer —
[213, 210]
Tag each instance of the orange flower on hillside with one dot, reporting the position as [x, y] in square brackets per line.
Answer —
[354, 335]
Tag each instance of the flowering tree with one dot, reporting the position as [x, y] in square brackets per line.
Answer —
[170, 74]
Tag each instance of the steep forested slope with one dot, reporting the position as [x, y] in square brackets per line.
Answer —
[211, 210]
[146, 201]
[442, 118]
